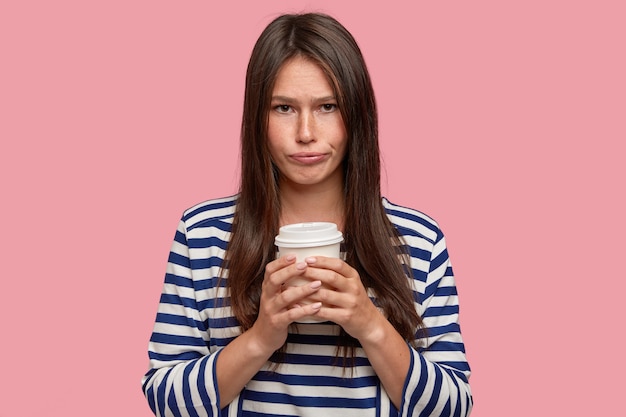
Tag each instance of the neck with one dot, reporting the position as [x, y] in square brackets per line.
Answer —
[311, 204]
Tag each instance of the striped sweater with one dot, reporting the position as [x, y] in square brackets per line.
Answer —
[195, 321]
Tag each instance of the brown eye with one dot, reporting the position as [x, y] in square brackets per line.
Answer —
[283, 108]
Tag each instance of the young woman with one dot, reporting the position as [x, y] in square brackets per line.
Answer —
[387, 342]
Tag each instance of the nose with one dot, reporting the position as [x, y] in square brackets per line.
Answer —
[306, 128]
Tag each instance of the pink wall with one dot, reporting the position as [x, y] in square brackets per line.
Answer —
[504, 122]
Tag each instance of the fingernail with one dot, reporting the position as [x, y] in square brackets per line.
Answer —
[290, 257]
[316, 306]
[310, 260]
[316, 284]
[301, 265]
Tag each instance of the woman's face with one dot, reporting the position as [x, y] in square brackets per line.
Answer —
[306, 134]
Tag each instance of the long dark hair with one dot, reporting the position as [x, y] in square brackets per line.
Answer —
[372, 244]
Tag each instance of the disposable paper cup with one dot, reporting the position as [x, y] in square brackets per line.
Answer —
[308, 239]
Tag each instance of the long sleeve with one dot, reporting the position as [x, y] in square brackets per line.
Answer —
[181, 379]
[195, 321]
[437, 384]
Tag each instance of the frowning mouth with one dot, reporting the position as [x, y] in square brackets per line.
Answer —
[308, 158]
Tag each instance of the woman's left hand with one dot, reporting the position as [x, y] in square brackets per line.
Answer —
[345, 302]
[344, 298]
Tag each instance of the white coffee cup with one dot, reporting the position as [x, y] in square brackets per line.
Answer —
[305, 240]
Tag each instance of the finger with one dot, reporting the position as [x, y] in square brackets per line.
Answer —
[329, 278]
[334, 299]
[280, 271]
[298, 312]
[289, 305]
[292, 296]
[275, 307]
[280, 263]
[333, 264]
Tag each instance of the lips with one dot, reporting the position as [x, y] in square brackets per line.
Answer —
[308, 158]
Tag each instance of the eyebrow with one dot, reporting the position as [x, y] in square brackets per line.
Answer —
[291, 100]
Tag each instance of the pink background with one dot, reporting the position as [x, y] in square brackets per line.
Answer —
[505, 121]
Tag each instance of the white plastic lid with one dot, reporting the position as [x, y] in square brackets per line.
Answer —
[303, 235]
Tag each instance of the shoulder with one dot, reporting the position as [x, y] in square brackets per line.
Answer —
[411, 222]
[219, 210]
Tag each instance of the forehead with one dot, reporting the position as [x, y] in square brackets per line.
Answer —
[302, 76]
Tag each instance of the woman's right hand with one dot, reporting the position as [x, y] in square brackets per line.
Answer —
[278, 309]
[279, 305]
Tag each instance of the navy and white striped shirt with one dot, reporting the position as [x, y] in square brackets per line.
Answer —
[195, 321]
